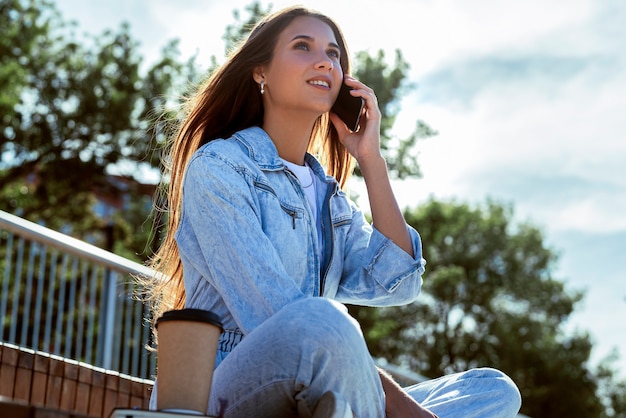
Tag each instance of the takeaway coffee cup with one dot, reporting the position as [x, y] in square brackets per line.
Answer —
[185, 359]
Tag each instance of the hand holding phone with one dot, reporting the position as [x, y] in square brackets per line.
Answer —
[348, 107]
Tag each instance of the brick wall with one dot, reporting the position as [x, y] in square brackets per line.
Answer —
[51, 383]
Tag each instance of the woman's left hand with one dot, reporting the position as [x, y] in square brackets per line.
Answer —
[364, 143]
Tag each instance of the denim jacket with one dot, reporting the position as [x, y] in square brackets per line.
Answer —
[249, 244]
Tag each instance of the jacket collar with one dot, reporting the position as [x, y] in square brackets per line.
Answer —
[260, 148]
[263, 152]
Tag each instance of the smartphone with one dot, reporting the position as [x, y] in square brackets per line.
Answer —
[348, 107]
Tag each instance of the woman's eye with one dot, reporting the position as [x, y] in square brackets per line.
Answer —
[302, 45]
[333, 53]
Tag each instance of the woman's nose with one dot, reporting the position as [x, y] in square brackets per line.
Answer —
[324, 62]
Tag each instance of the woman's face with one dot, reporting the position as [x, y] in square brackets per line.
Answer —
[305, 74]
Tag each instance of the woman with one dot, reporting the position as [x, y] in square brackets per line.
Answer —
[260, 234]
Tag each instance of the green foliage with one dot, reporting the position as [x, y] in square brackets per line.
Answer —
[389, 83]
[16, 42]
[489, 299]
[611, 388]
[71, 110]
[45, 204]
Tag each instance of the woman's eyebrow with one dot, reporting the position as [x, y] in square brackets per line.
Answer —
[311, 39]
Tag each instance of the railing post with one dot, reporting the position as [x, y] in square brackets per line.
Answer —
[4, 296]
[108, 317]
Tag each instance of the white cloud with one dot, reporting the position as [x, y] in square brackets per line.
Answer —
[515, 136]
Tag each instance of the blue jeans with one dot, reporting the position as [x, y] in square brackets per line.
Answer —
[312, 346]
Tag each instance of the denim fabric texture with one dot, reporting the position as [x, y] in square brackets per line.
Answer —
[249, 244]
[312, 346]
[251, 254]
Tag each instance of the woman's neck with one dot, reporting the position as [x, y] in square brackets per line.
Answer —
[290, 135]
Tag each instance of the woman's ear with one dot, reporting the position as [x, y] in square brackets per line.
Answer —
[258, 75]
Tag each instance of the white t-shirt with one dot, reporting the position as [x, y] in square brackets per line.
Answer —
[309, 181]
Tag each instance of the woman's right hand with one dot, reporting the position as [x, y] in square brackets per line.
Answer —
[407, 408]
[398, 404]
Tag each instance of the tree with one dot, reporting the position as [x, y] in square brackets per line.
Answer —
[15, 45]
[390, 84]
[71, 112]
[489, 299]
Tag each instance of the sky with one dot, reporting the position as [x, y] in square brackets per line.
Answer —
[528, 98]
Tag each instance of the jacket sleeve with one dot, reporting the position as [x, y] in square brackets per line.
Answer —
[377, 272]
[221, 238]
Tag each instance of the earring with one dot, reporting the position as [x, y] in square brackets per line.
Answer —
[263, 87]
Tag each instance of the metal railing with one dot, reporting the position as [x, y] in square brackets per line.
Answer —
[66, 297]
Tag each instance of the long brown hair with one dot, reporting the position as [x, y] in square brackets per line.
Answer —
[227, 102]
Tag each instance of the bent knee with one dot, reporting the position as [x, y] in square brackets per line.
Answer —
[317, 310]
[500, 387]
[321, 319]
